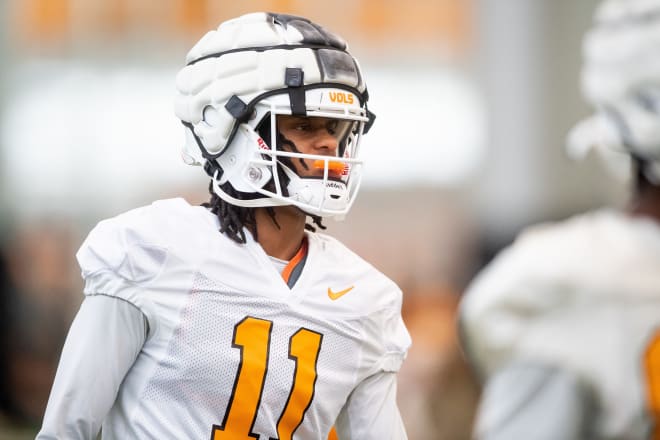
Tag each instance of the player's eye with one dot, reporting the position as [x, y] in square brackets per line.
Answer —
[331, 126]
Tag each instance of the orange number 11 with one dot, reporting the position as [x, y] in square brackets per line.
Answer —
[252, 338]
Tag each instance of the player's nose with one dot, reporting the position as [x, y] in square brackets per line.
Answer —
[326, 143]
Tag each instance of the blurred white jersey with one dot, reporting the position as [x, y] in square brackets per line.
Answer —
[233, 352]
[583, 295]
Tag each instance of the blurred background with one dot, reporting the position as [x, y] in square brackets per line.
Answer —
[474, 99]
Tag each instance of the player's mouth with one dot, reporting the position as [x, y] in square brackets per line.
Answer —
[335, 168]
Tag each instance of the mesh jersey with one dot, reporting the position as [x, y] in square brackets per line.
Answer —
[582, 295]
[231, 348]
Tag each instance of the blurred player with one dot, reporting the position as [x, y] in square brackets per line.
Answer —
[236, 320]
[564, 325]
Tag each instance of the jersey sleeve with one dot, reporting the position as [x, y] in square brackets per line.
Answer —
[395, 340]
[386, 339]
[371, 411]
[121, 256]
[103, 342]
[543, 290]
[513, 303]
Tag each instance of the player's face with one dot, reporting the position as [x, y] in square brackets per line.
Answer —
[312, 135]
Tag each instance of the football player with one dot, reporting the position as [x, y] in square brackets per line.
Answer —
[237, 320]
[564, 325]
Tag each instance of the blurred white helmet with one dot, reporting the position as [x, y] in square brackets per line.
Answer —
[621, 79]
[239, 77]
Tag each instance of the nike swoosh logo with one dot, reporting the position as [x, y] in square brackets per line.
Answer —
[336, 295]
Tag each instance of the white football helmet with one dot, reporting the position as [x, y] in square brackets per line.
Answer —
[239, 77]
[621, 79]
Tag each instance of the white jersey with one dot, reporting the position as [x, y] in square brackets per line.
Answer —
[231, 351]
[583, 295]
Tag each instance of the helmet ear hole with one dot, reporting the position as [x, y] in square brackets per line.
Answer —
[211, 116]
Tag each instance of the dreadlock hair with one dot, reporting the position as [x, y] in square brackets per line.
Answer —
[234, 218]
